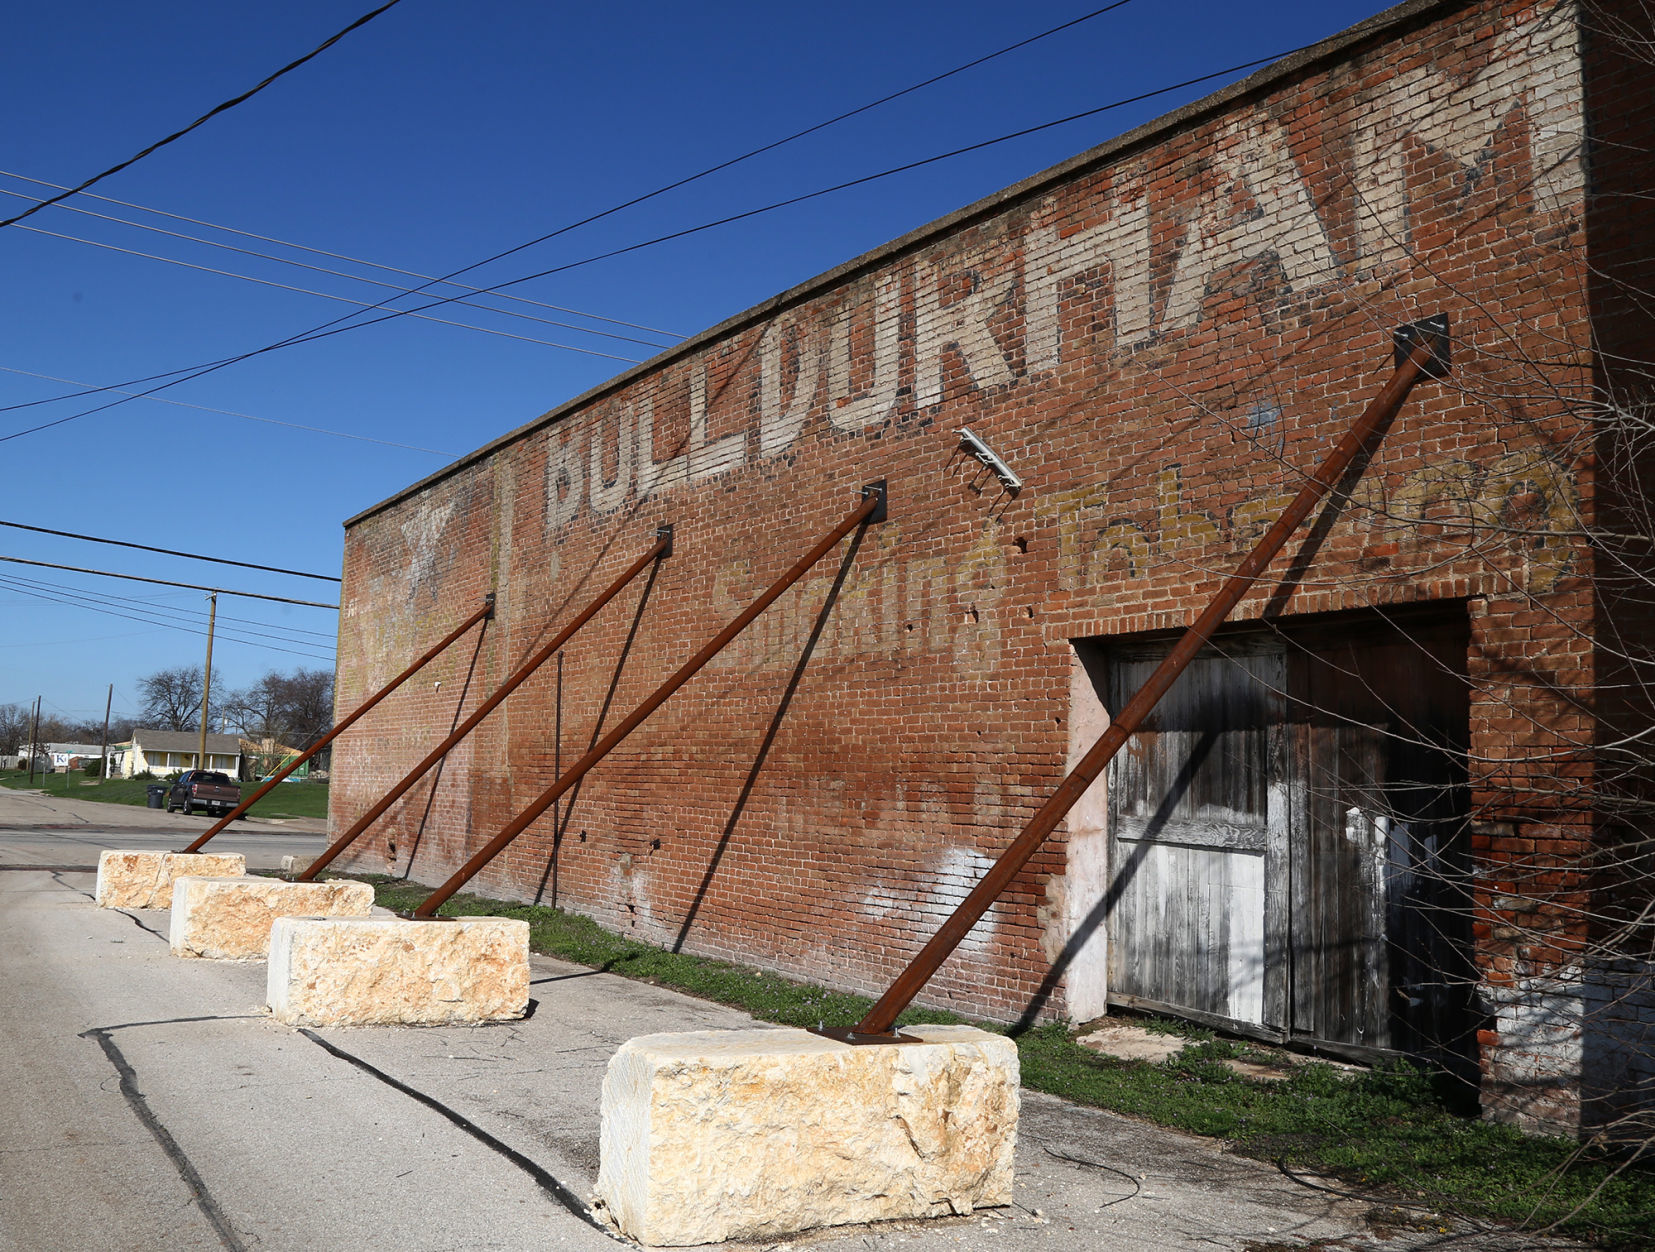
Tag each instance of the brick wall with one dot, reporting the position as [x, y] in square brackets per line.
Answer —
[1160, 337]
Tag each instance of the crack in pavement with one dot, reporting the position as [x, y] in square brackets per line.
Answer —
[549, 1183]
[216, 1217]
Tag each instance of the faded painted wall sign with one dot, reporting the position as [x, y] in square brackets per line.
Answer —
[999, 309]
[1527, 502]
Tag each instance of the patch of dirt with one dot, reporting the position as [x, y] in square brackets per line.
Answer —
[1263, 1064]
[1128, 1042]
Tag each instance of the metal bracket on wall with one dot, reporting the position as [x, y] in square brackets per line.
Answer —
[1432, 332]
[876, 491]
[663, 534]
[977, 448]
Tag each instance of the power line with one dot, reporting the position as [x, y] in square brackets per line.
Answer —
[137, 613]
[196, 371]
[315, 269]
[164, 582]
[820, 192]
[193, 556]
[326, 295]
[775, 205]
[152, 605]
[329, 329]
[154, 614]
[207, 408]
[337, 256]
[209, 115]
[229, 636]
[769, 147]
[47, 643]
[147, 621]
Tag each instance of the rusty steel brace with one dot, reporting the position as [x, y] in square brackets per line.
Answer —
[661, 549]
[870, 511]
[1421, 350]
[487, 611]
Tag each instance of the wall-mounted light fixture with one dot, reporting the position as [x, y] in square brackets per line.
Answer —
[977, 448]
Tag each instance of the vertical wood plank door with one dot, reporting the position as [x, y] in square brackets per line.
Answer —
[1380, 915]
[1288, 844]
[1195, 815]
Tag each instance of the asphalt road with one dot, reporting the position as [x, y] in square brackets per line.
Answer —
[151, 1102]
[37, 829]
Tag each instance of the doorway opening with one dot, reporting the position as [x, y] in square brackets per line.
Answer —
[1287, 835]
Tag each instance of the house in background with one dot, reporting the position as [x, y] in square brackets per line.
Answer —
[54, 757]
[168, 751]
[67, 756]
[263, 757]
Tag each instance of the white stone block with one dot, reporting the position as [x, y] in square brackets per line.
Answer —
[229, 919]
[725, 1134]
[383, 971]
[143, 880]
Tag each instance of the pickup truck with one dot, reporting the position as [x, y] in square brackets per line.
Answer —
[203, 789]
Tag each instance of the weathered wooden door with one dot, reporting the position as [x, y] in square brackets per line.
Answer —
[1196, 816]
[1287, 833]
[1380, 920]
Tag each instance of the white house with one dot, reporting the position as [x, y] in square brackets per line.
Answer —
[55, 757]
[65, 756]
[168, 751]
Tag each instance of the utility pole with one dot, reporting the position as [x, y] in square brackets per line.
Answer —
[207, 681]
[109, 703]
[34, 739]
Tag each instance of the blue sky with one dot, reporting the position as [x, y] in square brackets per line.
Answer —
[435, 136]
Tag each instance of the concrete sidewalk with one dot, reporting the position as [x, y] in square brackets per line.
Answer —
[154, 1103]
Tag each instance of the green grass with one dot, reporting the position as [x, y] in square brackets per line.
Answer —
[77, 786]
[306, 799]
[299, 799]
[1390, 1133]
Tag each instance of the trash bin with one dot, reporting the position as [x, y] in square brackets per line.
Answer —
[157, 797]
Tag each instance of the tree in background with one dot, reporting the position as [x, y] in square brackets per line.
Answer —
[258, 712]
[290, 710]
[171, 698]
[309, 694]
[14, 727]
[15, 720]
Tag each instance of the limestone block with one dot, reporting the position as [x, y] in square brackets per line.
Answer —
[728, 1134]
[382, 971]
[143, 880]
[229, 919]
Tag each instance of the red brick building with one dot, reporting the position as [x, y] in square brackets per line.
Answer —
[1369, 819]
